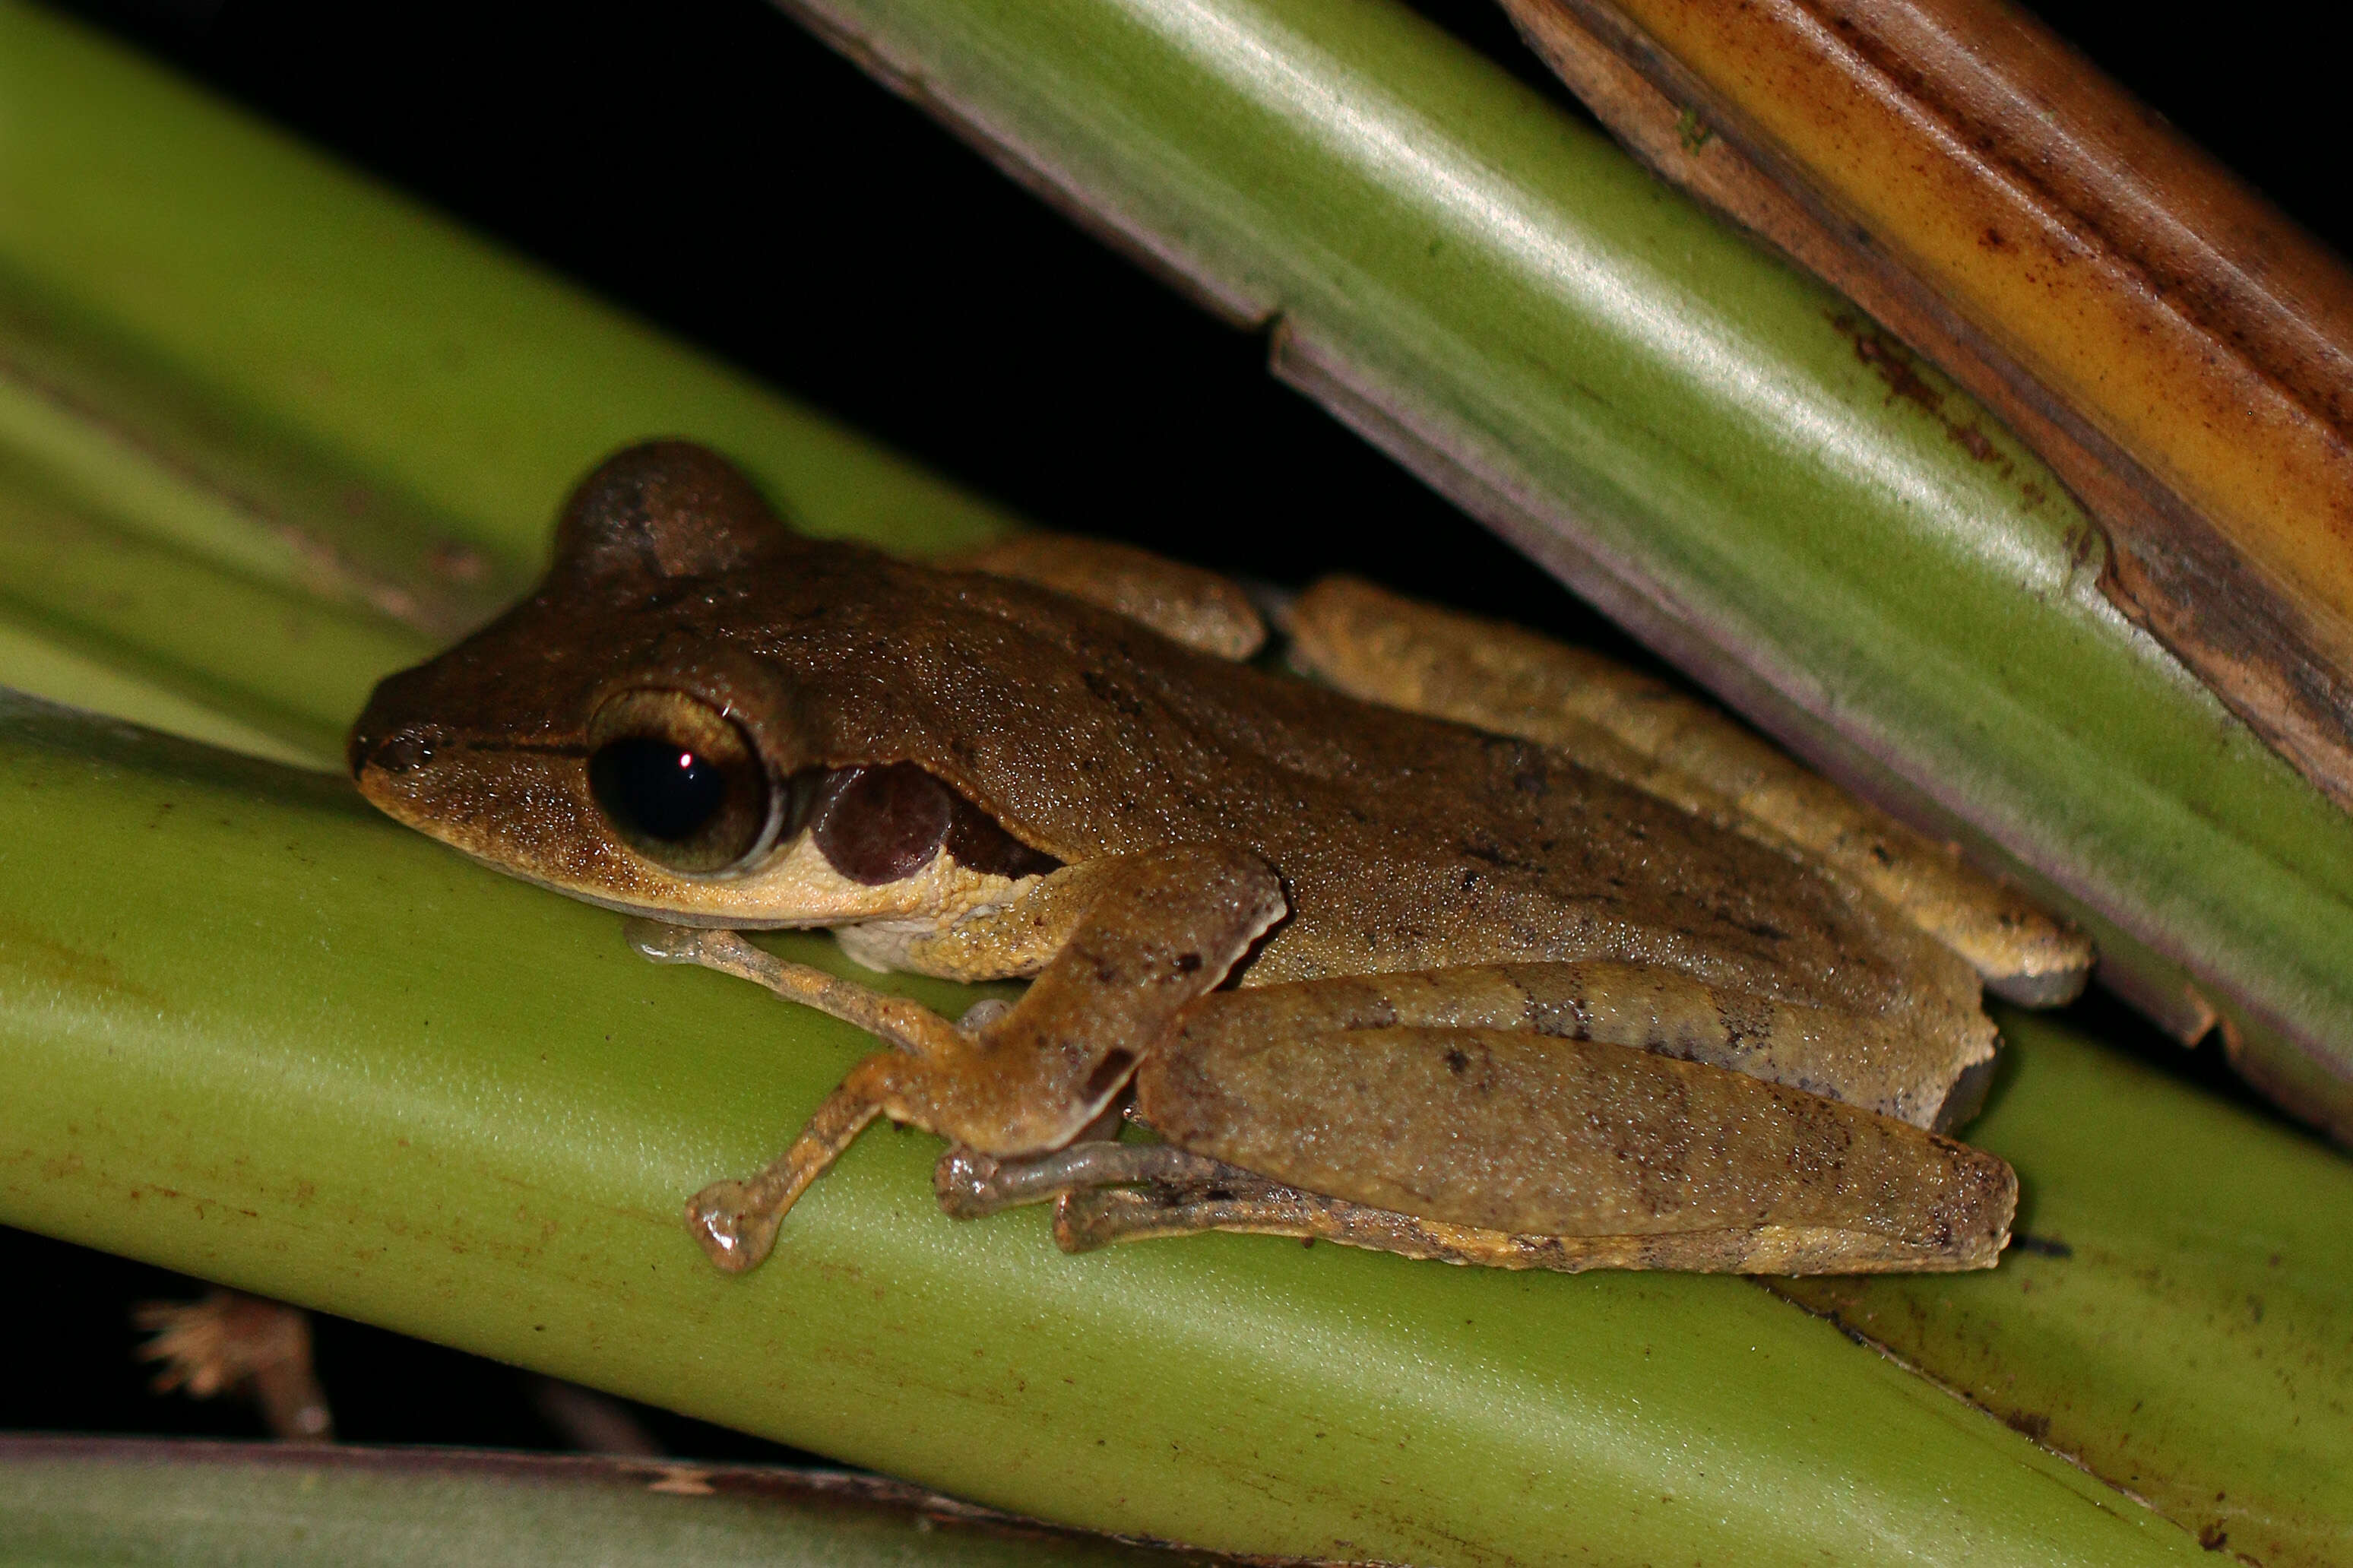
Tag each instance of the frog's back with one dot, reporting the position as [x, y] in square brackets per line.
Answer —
[1403, 841]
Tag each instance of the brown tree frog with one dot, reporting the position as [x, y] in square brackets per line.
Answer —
[1471, 948]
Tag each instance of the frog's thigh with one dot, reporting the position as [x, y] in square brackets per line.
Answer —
[1376, 645]
[1930, 1077]
[1530, 1136]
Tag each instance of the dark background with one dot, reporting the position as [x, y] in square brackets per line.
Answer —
[852, 253]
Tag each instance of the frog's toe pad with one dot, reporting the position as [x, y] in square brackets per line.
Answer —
[734, 1234]
[662, 943]
[1089, 1221]
[966, 1184]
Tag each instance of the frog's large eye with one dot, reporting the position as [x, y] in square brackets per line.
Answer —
[679, 782]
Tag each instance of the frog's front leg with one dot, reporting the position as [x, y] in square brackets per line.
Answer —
[1160, 929]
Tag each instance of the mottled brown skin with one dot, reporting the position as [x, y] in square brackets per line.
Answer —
[1587, 1139]
[1642, 732]
[1403, 842]
[1209, 819]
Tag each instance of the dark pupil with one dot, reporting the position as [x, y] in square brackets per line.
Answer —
[658, 787]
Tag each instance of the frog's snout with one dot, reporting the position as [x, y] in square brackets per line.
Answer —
[403, 728]
[390, 761]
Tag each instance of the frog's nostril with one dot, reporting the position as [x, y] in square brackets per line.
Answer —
[404, 752]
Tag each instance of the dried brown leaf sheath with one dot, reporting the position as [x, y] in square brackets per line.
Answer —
[2177, 348]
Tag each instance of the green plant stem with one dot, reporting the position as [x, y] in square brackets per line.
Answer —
[282, 1044]
[96, 1503]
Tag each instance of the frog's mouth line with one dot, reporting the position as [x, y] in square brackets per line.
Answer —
[706, 920]
[709, 919]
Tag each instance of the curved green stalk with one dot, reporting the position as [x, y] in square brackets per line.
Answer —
[1721, 454]
[2144, 1319]
[261, 381]
[372, 1077]
[100, 1503]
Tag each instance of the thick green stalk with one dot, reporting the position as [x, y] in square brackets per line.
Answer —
[373, 1078]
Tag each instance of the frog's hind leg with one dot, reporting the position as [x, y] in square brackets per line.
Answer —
[971, 1184]
[1084, 1221]
[1107, 1193]
[1385, 648]
[1613, 1155]
[1931, 1078]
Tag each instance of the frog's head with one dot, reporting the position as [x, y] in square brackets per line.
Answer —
[608, 739]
